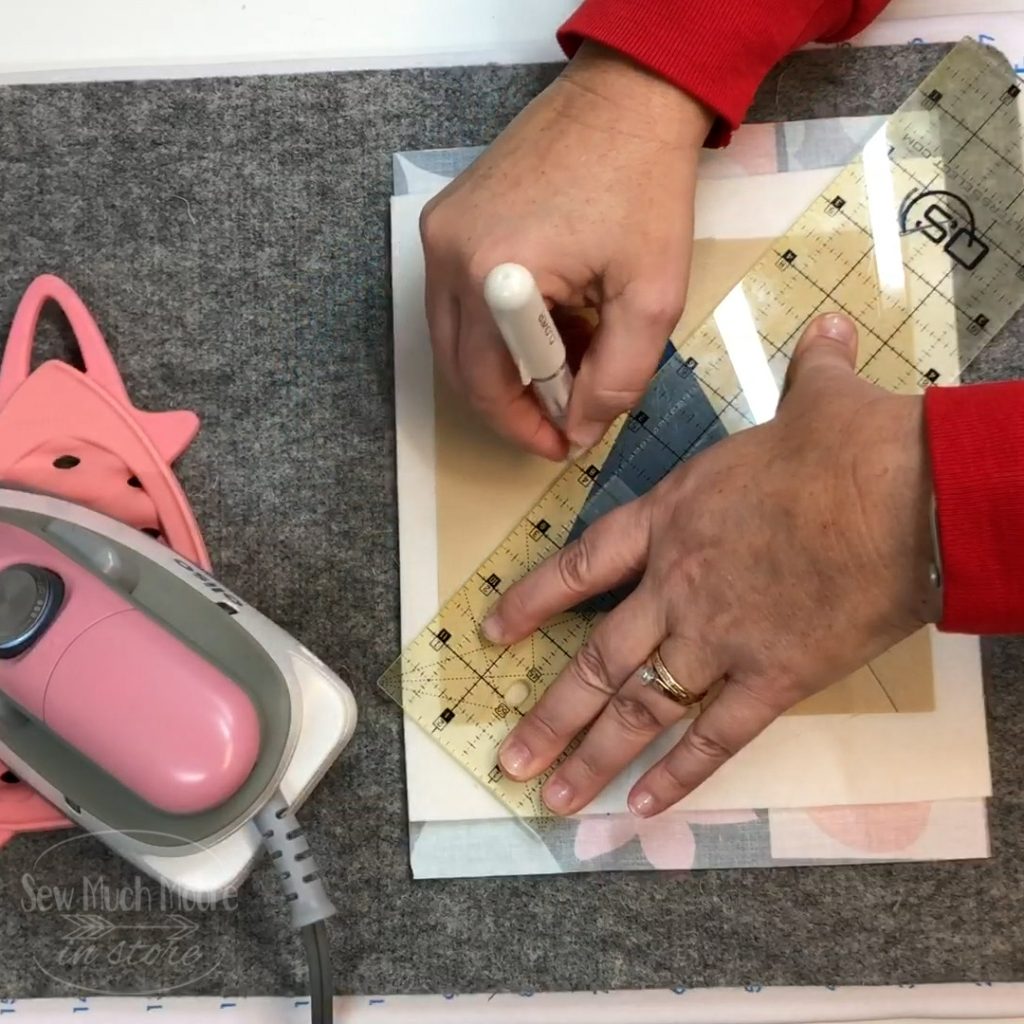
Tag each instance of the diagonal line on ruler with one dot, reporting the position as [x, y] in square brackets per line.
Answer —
[476, 673]
[932, 289]
[710, 387]
[975, 136]
[554, 643]
[987, 236]
[830, 293]
[803, 326]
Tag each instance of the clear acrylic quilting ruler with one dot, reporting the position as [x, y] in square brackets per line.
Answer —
[920, 239]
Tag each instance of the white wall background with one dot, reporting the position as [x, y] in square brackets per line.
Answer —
[80, 39]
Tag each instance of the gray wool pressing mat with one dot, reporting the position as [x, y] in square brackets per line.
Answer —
[230, 235]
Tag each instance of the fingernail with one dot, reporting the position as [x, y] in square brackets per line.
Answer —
[587, 434]
[492, 628]
[514, 758]
[837, 327]
[641, 804]
[558, 795]
[575, 451]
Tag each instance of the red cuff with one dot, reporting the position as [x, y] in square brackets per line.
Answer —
[719, 51]
[976, 440]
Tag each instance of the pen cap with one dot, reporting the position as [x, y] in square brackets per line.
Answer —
[525, 324]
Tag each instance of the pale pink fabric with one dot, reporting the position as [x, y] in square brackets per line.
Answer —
[880, 828]
[667, 840]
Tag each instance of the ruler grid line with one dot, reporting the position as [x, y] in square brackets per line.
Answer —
[830, 296]
[975, 137]
[933, 289]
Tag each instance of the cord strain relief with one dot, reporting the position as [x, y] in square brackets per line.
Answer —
[286, 842]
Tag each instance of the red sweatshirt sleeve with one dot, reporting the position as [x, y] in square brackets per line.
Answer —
[976, 442]
[719, 51]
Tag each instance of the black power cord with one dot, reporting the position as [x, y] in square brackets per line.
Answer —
[321, 982]
[304, 891]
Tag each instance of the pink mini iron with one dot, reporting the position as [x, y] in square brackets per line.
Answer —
[142, 696]
[159, 710]
[224, 707]
[137, 693]
[76, 435]
[83, 659]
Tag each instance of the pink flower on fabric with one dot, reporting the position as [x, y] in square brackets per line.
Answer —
[877, 828]
[668, 841]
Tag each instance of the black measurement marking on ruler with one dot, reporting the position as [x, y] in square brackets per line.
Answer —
[978, 322]
[443, 719]
[481, 677]
[885, 346]
[836, 205]
[489, 585]
[440, 639]
[829, 293]
[932, 289]
[694, 440]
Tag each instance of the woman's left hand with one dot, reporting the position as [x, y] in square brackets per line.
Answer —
[778, 561]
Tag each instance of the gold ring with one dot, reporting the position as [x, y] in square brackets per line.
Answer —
[657, 672]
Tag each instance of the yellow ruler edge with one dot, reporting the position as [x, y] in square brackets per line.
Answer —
[459, 688]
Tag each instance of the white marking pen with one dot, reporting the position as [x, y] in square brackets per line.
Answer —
[529, 332]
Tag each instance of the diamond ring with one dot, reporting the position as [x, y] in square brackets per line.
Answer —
[656, 673]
